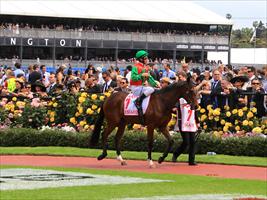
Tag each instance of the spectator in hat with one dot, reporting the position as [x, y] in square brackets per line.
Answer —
[39, 89]
[71, 86]
[164, 82]
[238, 100]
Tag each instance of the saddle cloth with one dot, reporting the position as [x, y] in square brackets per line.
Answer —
[129, 107]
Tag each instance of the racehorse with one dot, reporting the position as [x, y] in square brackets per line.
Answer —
[157, 115]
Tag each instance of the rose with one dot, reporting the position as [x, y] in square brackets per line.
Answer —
[81, 99]
[94, 97]
[94, 107]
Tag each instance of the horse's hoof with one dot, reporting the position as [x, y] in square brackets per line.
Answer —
[153, 166]
[123, 163]
[101, 157]
[161, 159]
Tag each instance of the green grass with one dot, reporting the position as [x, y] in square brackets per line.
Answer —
[71, 151]
[181, 185]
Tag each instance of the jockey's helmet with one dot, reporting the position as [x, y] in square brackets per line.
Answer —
[141, 54]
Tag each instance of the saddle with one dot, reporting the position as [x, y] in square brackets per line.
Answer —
[130, 108]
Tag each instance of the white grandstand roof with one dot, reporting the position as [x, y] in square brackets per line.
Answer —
[149, 11]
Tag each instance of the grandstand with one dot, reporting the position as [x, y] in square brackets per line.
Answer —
[78, 32]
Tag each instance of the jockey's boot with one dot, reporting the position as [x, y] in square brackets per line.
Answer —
[138, 104]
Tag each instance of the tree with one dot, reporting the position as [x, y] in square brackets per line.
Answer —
[241, 37]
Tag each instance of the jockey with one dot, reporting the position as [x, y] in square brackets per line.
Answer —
[140, 74]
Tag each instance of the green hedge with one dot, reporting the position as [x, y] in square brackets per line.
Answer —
[133, 141]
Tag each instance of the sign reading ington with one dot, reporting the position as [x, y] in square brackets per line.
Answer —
[19, 178]
[86, 43]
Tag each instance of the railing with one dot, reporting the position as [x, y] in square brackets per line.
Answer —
[120, 36]
[81, 65]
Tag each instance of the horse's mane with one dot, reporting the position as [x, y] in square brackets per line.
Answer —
[170, 87]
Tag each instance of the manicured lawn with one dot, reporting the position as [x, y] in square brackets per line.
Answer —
[71, 151]
[181, 185]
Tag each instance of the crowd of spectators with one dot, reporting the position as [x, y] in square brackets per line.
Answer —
[218, 87]
[15, 28]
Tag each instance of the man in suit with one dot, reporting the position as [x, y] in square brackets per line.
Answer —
[52, 84]
[91, 86]
[35, 75]
[109, 83]
[216, 89]
[123, 86]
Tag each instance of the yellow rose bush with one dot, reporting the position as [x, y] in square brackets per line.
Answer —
[23, 113]
[78, 111]
[227, 122]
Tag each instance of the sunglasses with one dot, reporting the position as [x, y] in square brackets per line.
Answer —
[255, 83]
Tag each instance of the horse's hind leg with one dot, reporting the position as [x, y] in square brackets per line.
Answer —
[118, 137]
[166, 133]
[109, 128]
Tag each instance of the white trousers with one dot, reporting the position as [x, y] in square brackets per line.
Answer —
[138, 90]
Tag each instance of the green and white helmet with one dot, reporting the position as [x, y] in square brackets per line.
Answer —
[141, 54]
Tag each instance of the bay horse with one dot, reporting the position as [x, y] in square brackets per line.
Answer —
[157, 115]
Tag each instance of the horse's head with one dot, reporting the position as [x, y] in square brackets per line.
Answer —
[190, 94]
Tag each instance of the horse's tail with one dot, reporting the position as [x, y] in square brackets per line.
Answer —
[97, 129]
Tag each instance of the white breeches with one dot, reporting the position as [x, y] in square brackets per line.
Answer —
[138, 90]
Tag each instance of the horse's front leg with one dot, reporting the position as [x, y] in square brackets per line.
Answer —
[166, 133]
[150, 137]
[118, 137]
[106, 133]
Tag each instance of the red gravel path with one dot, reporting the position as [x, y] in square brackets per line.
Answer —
[225, 171]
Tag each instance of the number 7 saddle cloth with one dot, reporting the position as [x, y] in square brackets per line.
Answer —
[129, 107]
